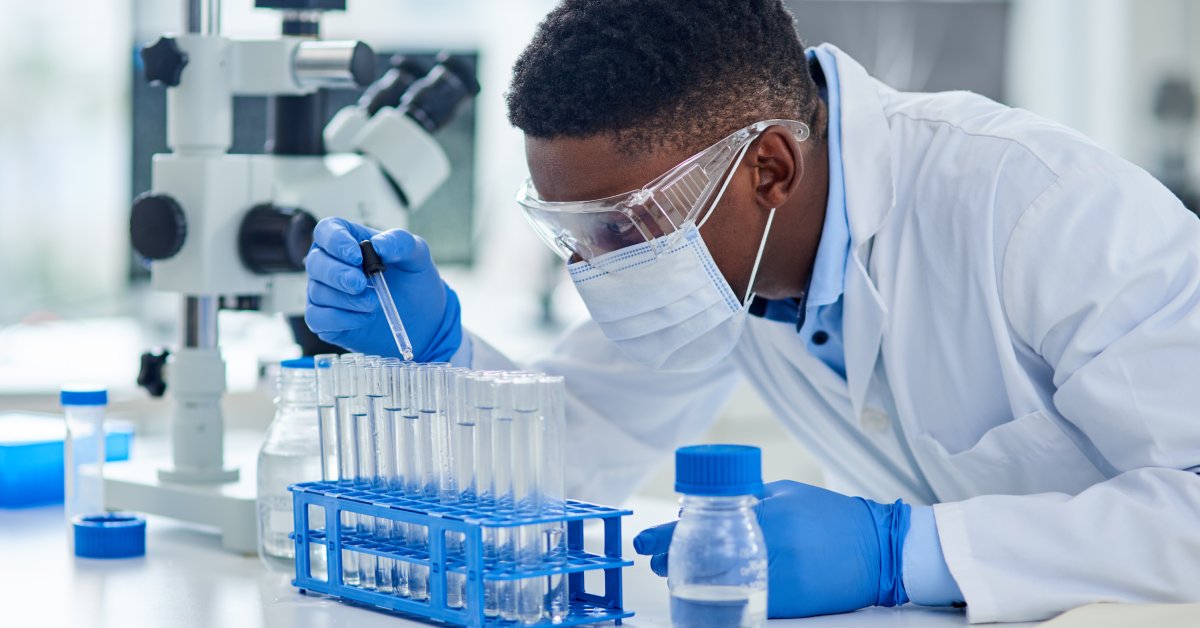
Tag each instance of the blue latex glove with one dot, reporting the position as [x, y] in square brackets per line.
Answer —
[827, 553]
[343, 309]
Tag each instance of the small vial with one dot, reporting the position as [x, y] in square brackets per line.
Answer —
[83, 405]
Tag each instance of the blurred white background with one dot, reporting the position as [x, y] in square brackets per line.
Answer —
[68, 309]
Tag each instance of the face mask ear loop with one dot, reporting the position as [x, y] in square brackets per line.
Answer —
[736, 163]
[758, 258]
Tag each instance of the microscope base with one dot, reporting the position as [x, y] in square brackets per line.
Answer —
[229, 507]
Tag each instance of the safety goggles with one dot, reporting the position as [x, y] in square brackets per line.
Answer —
[654, 213]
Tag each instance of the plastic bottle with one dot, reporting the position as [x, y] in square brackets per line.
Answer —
[83, 453]
[291, 453]
[717, 563]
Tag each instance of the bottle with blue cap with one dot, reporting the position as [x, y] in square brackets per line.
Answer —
[717, 563]
[291, 453]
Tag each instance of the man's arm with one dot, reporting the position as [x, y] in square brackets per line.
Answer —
[1101, 277]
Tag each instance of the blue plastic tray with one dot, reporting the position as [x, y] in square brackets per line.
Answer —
[338, 497]
[31, 456]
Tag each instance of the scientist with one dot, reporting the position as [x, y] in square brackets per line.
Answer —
[970, 314]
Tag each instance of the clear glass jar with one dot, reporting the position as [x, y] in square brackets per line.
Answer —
[291, 453]
[717, 562]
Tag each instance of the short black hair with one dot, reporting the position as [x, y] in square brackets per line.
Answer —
[661, 73]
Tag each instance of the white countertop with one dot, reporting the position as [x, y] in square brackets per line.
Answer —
[187, 581]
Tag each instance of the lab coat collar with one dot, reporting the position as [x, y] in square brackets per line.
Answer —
[866, 157]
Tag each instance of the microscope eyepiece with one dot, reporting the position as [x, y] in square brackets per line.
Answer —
[433, 100]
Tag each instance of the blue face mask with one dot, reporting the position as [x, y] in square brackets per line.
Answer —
[667, 309]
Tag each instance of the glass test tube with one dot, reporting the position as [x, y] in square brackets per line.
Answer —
[502, 485]
[377, 390]
[345, 389]
[416, 465]
[327, 415]
[402, 457]
[527, 463]
[366, 476]
[552, 488]
[456, 473]
[483, 401]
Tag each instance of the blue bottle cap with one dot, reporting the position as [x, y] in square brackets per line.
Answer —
[297, 363]
[110, 535]
[718, 470]
[83, 395]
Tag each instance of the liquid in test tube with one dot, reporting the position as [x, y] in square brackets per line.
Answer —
[373, 267]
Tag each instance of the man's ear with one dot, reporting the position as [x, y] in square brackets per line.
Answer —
[778, 166]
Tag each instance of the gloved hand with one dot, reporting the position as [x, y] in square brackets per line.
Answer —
[827, 553]
[343, 309]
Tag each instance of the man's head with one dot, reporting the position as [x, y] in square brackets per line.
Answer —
[612, 93]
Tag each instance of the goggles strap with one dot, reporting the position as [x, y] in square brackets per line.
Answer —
[721, 193]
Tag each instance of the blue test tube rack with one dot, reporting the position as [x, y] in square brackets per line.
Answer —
[334, 498]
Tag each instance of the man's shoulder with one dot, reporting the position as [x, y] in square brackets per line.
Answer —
[980, 127]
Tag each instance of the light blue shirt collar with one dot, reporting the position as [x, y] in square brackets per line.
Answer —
[829, 270]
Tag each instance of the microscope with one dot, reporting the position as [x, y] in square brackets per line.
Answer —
[230, 231]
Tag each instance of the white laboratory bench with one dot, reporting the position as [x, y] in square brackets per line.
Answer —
[187, 581]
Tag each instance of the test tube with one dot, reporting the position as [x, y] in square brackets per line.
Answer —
[527, 461]
[366, 476]
[456, 472]
[416, 465]
[552, 489]
[327, 415]
[431, 396]
[385, 462]
[345, 390]
[393, 408]
[502, 485]
[373, 267]
[483, 400]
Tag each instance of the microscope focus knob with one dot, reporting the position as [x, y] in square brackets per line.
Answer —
[275, 239]
[150, 376]
[164, 62]
[157, 226]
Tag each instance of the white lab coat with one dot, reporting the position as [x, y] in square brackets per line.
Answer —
[1022, 337]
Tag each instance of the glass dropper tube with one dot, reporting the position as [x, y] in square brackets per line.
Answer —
[373, 267]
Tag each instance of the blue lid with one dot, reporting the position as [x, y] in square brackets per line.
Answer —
[718, 470]
[83, 395]
[110, 535]
[298, 363]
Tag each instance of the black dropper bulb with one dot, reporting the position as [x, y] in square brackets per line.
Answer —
[371, 262]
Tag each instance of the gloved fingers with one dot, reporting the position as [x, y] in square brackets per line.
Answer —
[403, 250]
[339, 238]
[658, 564]
[656, 540]
[322, 295]
[328, 320]
[324, 268]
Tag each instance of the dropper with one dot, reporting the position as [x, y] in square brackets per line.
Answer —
[373, 267]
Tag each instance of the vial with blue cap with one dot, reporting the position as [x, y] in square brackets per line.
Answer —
[92, 532]
[291, 453]
[717, 562]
